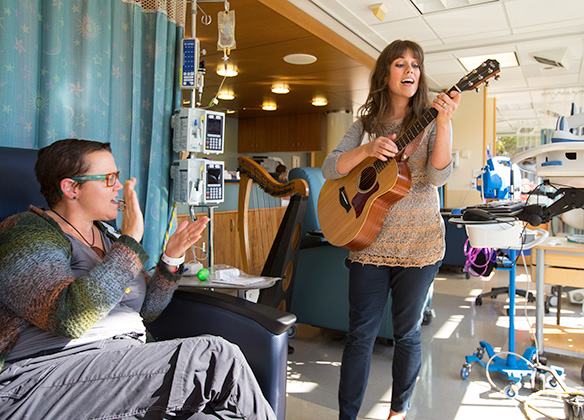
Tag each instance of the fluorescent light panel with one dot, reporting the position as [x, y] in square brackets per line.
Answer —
[508, 59]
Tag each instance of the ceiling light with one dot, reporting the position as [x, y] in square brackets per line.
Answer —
[226, 95]
[319, 101]
[229, 71]
[269, 106]
[299, 59]
[280, 88]
[508, 59]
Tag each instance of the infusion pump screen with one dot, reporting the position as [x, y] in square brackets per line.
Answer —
[214, 133]
[214, 187]
[214, 125]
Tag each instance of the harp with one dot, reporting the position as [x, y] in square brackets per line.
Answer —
[270, 248]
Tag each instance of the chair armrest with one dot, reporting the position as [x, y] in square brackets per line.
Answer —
[272, 319]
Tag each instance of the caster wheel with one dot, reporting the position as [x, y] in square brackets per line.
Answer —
[292, 331]
[511, 390]
[479, 353]
[530, 297]
[465, 371]
[467, 275]
[582, 373]
[546, 307]
[552, 382]
[479, 301]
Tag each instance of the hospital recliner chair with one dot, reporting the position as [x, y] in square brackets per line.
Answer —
[321, 289]
[259, 330]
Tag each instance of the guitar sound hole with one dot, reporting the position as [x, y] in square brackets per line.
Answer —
[367, 178]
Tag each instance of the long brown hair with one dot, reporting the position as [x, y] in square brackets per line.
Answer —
[378, 102]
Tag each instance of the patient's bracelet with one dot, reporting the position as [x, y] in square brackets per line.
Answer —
[172, 261]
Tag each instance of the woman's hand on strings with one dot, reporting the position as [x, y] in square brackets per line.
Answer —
[382, 147]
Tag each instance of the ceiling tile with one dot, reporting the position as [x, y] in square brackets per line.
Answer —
[470, 23]
[535, 13]
[415, 29]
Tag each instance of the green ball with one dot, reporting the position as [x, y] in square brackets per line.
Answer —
[203, 274]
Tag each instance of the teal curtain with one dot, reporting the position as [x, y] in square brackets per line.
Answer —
[101, 70]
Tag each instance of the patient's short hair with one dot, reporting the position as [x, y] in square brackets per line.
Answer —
[63, 159]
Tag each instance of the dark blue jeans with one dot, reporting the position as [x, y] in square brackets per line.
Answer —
[369, 287]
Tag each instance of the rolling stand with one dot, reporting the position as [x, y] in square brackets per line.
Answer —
[511, 236]
[515, 368]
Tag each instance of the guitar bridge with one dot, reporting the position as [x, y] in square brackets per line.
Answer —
[344, 200]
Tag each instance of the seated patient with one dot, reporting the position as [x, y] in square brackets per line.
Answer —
[73, 297]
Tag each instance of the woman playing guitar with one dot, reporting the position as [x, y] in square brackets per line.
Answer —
[405, 256]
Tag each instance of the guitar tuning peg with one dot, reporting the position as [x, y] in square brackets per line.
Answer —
[487, 83]
[478, 89]
[497, 76]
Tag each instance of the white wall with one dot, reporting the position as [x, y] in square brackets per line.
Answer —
[468, 133]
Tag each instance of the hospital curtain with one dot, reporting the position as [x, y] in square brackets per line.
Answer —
[100, 70]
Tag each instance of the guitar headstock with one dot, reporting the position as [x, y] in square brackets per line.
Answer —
[480, 75]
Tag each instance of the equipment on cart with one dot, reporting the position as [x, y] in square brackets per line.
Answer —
[500, 225]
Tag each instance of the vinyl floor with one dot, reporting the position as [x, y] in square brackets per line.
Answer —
[441, 393]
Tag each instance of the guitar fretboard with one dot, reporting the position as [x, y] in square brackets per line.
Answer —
[409, 135]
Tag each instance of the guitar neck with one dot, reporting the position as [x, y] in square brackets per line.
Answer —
[409, 135]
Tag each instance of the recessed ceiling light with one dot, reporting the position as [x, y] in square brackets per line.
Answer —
[226, 95]
[269, 106]
[299, 59]
[319, 101]
[280, 88]
[508, 59]
[229, 71]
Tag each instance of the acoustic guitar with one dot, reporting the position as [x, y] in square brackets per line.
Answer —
[351, 209]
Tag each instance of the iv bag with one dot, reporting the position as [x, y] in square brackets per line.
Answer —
[226, 26]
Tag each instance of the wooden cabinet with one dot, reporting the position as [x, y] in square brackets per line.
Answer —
[286, 133]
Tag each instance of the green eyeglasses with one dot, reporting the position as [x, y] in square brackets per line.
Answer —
[110, 179]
